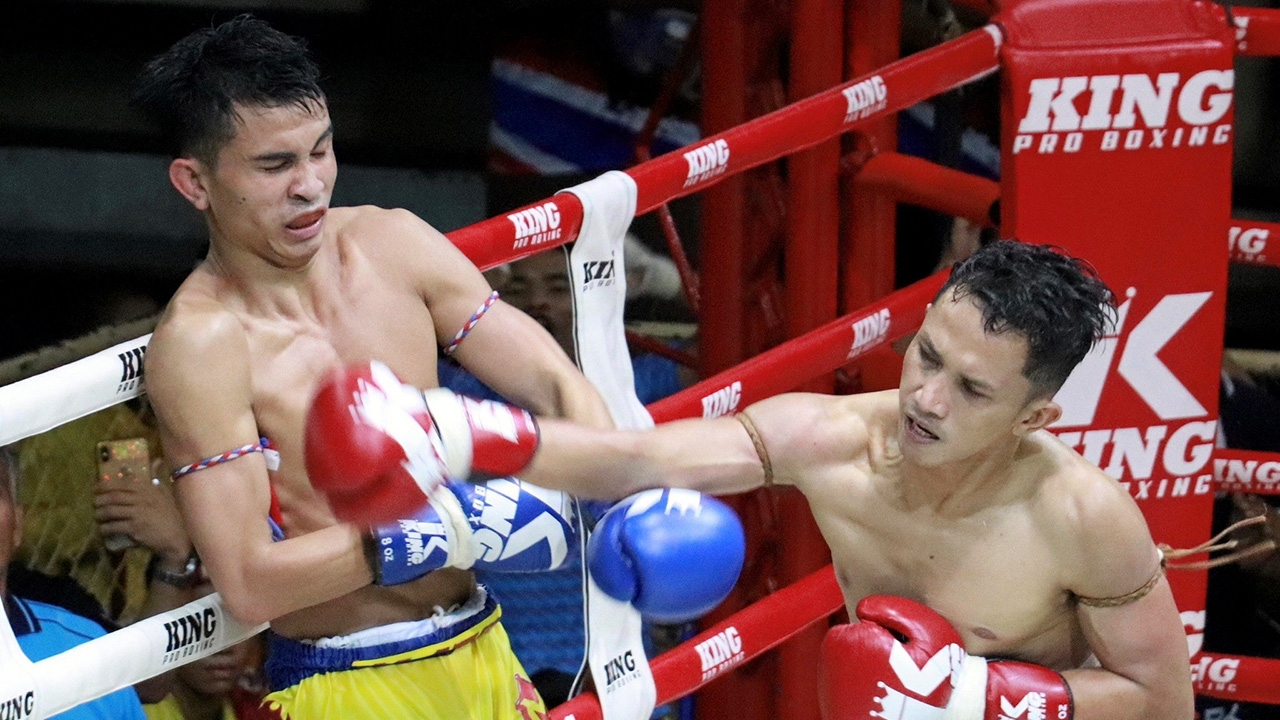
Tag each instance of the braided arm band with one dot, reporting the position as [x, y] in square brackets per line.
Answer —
[761, 451]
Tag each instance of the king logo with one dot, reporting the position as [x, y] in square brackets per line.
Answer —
[1139, 365]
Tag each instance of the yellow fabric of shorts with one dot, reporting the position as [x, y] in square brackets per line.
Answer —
[470, 674]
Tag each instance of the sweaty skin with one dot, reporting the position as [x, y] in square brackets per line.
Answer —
[291, 289]
[947, 491]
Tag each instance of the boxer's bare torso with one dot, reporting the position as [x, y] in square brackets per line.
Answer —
[994, 562]
[356, 305]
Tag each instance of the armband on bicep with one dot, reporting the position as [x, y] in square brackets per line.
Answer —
[470, 324]
[1129, 597]
[761, 451]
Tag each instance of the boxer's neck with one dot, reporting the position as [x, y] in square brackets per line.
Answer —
[966, 486]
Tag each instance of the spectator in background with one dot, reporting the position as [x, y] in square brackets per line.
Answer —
[45, 630]
[227, 685]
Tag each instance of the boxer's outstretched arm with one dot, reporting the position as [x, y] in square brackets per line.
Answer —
[1140, 645]
[507, 350]
[797, 432]
[198, 381]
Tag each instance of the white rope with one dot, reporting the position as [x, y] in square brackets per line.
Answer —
[158, 644]
[42, 402]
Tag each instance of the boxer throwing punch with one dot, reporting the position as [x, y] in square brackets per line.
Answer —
[291, 288]
[994, 571]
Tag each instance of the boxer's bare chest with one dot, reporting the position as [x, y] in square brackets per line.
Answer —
[357, 315]
[991, 573]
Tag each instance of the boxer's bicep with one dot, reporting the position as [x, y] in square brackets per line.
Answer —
[511, 353]
[197, 376]
[796, 435]
[452, 287]
[198, 383]
[1125, 610]
[1142, 650]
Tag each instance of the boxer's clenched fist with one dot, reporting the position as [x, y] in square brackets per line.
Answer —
[378, 448]
[903, 660]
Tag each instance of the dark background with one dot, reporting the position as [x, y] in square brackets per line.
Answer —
[90, 229]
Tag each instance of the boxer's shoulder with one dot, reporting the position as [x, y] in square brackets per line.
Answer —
[1091, 519]
[377, 231]
[1066, 484]
[394, 243]
[194, 329]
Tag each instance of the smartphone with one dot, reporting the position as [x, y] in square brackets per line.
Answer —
[126, 460]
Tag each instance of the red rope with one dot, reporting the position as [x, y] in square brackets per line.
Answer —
[734, 641]
[1254, 243]
[1261, 31]
[806, 357]
[788, 130]
[1245, 471]
[1233, 677]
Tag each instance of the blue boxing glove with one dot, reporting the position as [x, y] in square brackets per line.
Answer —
[504, 525]
[673, 554]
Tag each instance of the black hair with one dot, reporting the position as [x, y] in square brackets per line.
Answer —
[1057, 302]
[192, 89]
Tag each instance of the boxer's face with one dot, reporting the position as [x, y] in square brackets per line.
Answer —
[962, 388]
[270, 190]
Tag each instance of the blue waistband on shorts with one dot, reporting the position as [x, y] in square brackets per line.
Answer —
[289, 661]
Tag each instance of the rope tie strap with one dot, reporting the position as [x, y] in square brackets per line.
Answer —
[470, 325]
[1215, 544]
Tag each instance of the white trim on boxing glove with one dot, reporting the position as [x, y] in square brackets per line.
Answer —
[454, 430]
[462, 547]
[969, 697]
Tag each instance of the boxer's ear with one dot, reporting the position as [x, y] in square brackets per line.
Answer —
[187, 176]
[1037, 415]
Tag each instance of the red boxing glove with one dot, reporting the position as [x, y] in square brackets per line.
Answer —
[370, 445]
[378, 448]
[867, 671]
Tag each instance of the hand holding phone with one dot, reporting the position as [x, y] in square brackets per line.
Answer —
[120, 462]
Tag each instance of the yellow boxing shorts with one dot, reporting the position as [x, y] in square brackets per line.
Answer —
[453, 666]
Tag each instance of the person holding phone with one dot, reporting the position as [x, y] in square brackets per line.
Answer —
[45, 630]
[133, 507]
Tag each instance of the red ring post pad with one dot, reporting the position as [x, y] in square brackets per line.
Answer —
[1117, 129]
[738, 639]
[804, 358]
[1248, 241]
